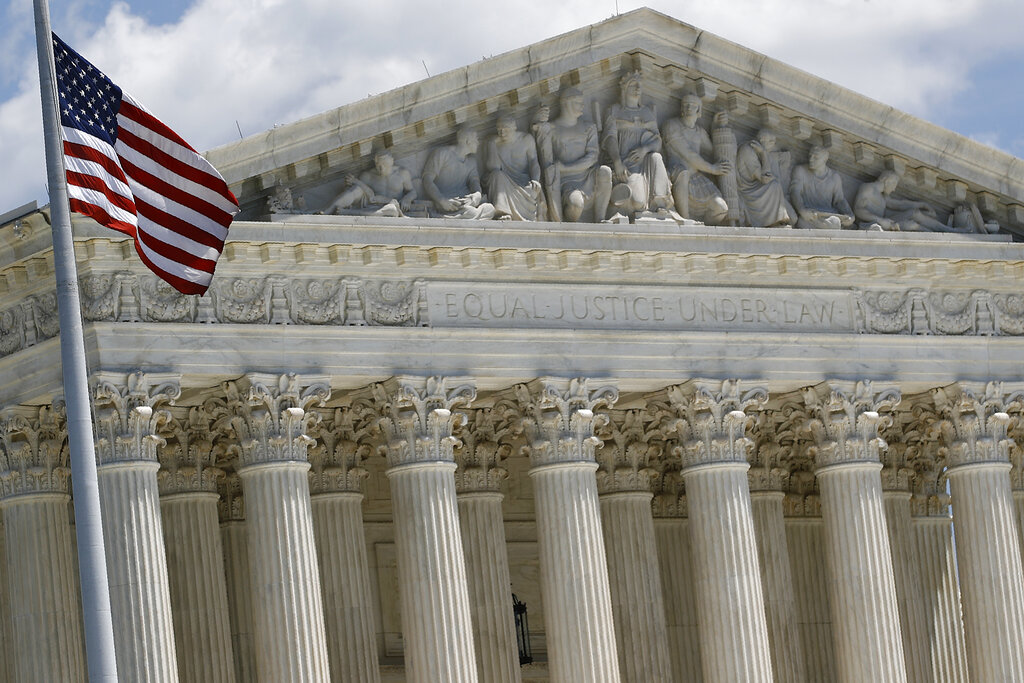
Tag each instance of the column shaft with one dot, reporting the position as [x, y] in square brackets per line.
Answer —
[906, 570]
[733, 631]
[287, 603]
[940, 595]
[137, 572]
[862, 590]
[195, 565]
[345, 578]
[436, 623]
[43, 581]
[240, 597]
[489, 582]
[674, 558]
[806, 543]
[989, 561]
[777, 585]
[574, 574]
[637, 603]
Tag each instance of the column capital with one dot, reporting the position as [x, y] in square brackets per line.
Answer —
[631, 442]
[231, 506]
[772, 447]
[710, 419]
[344, 439]
[271, 417]
[34, 451]
[484, 445]
[559, 418]
[129, 410]
[188, 456]
[417, 416]
[1016, 433]
[975, 420]
[897, 473]
[843, 419]
[669, 496]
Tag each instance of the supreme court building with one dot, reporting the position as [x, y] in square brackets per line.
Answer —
[704, 359]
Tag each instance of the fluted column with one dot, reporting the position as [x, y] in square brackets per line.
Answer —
[478, 485]
[624, 488]
[559, 420]
[436, 623]
[336, 490]
[844, 420]
[234, 541]
[988, 553]
[710, 422]
[767, 479]
[41, 570]
[128, 412]
[195, 559]
[271, 420]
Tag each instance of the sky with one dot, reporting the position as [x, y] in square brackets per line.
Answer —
[213, 68]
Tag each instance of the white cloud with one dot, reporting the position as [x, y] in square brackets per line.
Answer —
[265, 62]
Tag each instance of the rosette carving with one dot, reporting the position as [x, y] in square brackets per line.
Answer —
[34, 455]
[130, 412]
[343, 441]
[317, 302]
[486, 441]
[188, 458]
[631, 442]
[558, 418]
[844, 420]
[975, 421]
[417, 417]
[243, 300]
[162, 303]
[271, 417]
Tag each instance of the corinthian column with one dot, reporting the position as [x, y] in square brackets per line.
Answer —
[559, 419]
[844, 421]
[478, 485]
[128, 415]
[436, 623]
[1017, 473]
[270, 421]
[231, 509]
[195, 559]
[624, 485]
[41, 571]
[988, 555]
[709, 419]
[768, 479]
[336, 490]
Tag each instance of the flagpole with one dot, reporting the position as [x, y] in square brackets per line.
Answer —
[92, 562]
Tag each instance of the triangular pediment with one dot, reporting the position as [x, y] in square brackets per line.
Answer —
[311, 158]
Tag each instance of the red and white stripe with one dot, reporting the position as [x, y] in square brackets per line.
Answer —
[153, 186]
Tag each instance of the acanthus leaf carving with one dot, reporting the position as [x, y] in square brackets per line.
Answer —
[160, 302]
[845, 418]
[772, 446]
[317, 302]
[418, 419]
[243, 300]
[632, 441]
[485, 443]
[559, 418]
[395, 303]
[975, 421]
[100, 297]
[34, 456]
[188, 457]
[129, 412]
[343, 442]
[12, 330]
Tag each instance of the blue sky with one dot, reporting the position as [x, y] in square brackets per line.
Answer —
[208, 67]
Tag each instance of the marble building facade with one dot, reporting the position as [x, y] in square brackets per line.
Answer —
[705, 359]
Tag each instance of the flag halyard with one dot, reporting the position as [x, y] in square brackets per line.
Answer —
[130, 172]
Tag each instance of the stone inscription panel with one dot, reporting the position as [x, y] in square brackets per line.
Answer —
[638, 307]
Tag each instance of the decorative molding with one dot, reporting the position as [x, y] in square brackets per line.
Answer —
[417, 417]
[918, 311]
[34, 456]
[343, 441]
[558, 418]
[975, 421]
[844, 420]
[129, 412]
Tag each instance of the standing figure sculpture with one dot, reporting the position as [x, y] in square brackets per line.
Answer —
[633, 144]
[513, 181]
[689, 147]
[451, 179]
[569, 150]
[817, 194]
[759, 187]
[877, 209]
[386, 190]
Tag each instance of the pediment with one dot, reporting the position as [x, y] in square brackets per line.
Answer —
[311, 158]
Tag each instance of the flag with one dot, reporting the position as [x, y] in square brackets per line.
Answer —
[132, 173]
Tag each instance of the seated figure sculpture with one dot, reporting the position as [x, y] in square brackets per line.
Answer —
[688, 147]
[451, 179]
[568, 149]
[877, 209]
[759, 187]
[633, 144]
[816, 192]
[513, 181]
[386, 190]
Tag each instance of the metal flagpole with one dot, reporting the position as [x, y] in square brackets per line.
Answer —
[92, 563]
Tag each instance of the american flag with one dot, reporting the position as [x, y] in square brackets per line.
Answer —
[132, 173]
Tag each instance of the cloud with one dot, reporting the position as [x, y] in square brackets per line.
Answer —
[268, 62]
